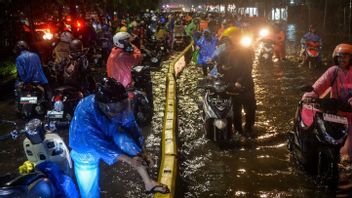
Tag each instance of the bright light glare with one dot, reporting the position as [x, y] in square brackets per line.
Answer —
[48, 36]
[264, 32]
[246, 41]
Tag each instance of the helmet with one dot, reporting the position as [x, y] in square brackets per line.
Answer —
[123, 29]
[110, 91]
[76, 48]
[134, 24]
[120, 39]
[341, 49]
[76, 45]
[231, 32]
[20, 46]
[66, 37]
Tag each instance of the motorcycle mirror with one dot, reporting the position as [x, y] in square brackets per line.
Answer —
[306, 88]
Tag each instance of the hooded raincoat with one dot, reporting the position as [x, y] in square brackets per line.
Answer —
[94, 137]
[29, 68]
[120, 63]
[207, 48]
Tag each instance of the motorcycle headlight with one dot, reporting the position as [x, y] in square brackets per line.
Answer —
[264, 32]
[246, 41]
[220, 123]
[48, 36]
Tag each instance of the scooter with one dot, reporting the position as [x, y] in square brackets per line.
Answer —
[179, 42]
[312, 53]
[30, 98]
[64, 102]
[217, 110]
[317, 136]
[141, 95]
[266, 51]
[49, 154]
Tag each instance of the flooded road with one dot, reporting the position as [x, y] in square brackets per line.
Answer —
[260, 167]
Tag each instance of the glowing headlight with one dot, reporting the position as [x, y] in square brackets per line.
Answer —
[220, 123]
[246, 41]
[48, 36]
[264, 32]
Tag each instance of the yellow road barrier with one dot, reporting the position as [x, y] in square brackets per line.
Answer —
[168, 167]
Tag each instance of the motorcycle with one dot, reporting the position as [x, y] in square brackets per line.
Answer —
[64, 102]
[311, 54]
[266, 51]
[48, 153]
[217, 110]
[141, 95]
[30, 99]
[151, 59]
[317, 136]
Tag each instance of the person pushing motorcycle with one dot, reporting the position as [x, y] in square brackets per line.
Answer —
[339, 78]
[235, 62]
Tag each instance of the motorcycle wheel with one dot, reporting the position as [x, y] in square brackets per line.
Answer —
[328, 173]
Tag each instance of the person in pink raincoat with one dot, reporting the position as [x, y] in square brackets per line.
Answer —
[122, 58]
[339, 78]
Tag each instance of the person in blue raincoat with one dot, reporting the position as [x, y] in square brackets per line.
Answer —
[29, 71]
[207, 46]
[104, 128]
[29, 68]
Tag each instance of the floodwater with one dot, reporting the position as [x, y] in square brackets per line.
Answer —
[259, 167]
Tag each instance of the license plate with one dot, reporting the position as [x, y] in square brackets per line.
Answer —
[335, 118]
[28, 100]
[178, 41]
[55, 114]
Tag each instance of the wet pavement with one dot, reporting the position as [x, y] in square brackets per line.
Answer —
[259, 167]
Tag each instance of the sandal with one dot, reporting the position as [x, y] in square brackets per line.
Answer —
[159, 188]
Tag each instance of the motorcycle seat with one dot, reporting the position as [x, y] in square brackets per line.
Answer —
[66, 89]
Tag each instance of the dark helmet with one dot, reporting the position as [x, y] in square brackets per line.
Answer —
[76, 45]
[76, 48]
[110, 91]
[20, 46]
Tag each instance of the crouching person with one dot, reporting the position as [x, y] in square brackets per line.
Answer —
[104, 128]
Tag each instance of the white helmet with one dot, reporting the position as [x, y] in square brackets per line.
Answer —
[66, 37]
[119, 39]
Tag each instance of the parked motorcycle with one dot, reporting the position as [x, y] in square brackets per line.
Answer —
[141, 95]
[311, 54]
[30, 99]
[317, 136]
[217, 110]
[49, 154]
[64, 102]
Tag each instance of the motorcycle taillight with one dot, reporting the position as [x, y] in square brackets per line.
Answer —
[57, 98]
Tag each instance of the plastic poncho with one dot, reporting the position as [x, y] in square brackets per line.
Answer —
[64, 185]
[190, 28]
[96, 137]
[120, 63]
[207, 48]
[29, 68]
